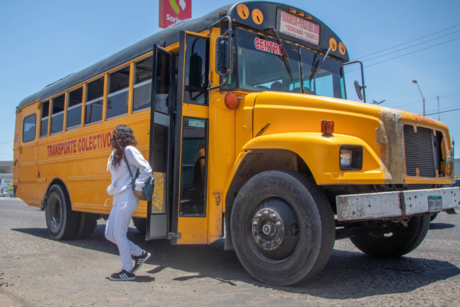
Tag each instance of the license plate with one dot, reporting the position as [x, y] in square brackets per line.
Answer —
[435, 203]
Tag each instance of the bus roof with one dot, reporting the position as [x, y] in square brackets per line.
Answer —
[171, 35]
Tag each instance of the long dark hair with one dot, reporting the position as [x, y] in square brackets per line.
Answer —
[122, 136]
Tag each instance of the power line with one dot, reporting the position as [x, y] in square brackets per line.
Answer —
[6, 142]
[443, 112]
[406, 54]
[6, 154]
[426, 100]
[413, 52]
[444, 108]
[364, 56]
[410, 46]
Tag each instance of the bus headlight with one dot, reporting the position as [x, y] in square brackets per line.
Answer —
[351, 157]
[345, 157]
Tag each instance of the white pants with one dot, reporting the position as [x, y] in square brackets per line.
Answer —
[124, 205]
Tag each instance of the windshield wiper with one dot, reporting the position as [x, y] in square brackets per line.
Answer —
[285, 55]
[315, 69]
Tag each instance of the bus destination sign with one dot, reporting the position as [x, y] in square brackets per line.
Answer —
[298, 27]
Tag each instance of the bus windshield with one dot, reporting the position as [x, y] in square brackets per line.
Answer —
[261, 67]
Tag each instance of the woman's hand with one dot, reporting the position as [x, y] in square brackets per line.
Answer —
[137, 193]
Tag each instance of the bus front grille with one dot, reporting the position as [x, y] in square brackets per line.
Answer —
[418, 150]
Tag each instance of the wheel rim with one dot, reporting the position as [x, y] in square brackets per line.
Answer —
[274, 229]
[55, 214]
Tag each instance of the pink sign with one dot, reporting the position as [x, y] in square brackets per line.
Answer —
[172, 11]
[298, 27]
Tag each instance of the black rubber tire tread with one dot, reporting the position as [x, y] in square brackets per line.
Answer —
[88, 223]
[433, 217]
[316, 227]
[69, 218]
[403, 243]
[140, 223]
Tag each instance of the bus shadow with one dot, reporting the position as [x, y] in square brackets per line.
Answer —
[347, 275]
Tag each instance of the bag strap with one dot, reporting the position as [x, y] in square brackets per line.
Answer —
[127, 164]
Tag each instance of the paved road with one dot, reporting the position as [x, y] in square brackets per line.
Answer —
[37, 271]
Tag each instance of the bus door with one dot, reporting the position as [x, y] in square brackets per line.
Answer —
[189, 212]
[163, 92]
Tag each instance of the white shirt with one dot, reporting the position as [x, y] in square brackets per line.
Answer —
[121, 179]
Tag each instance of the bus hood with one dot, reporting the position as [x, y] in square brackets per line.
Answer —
[380, 127]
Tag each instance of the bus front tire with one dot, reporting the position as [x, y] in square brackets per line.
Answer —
[390, 240]
[282, 228]
[61, 221]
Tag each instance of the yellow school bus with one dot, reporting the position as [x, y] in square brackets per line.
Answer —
[243, 115]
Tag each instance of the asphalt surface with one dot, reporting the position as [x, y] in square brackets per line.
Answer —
[38, 271]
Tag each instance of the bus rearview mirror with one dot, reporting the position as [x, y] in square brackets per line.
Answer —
[358, 89]
[223, 59]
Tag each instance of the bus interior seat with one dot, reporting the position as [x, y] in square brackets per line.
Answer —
[192, 202]
[276, 86]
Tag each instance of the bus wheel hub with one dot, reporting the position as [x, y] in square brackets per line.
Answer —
[268, 229]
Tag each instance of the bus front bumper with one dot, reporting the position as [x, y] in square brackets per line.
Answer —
[387, 205]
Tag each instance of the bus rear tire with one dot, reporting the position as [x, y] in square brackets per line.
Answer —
[61, 221]
[391, 240]
[140, 223]
[282, 228]
[86, 225]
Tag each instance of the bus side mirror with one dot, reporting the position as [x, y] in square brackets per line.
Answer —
[359, 89]
[223, 56]
[195, 73]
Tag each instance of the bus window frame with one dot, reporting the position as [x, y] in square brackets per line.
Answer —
[126, 89]
[236, 60]
[102, 98]
[35, 128]
[63, 112]
[67, 108]
[47, 118]
[208, 63]
[91, 102]
[206, 166]
[140, 84]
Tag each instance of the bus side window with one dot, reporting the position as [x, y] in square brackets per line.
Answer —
[142, 84]
[117, 100]
[74, 109]
[57, 114]
[196, 71]
[28, 128]
[44, 119]
[94, 100]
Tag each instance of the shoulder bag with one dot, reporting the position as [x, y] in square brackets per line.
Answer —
[149, 186]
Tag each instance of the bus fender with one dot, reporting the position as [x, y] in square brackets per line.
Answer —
[320, 152]
[55, 180]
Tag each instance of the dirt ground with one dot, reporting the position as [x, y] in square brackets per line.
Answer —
[38, 271]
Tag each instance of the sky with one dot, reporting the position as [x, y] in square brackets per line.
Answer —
[43, 41]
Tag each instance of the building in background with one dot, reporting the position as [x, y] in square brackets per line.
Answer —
[6, 167]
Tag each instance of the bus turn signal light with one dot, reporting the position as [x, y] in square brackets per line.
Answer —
[231, 101]
[327, 126]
